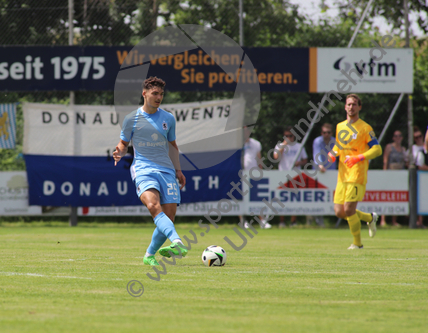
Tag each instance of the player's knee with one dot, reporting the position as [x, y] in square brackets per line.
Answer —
[349, 211]
[153, 207]
[339, 212]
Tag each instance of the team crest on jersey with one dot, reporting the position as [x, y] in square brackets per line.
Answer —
[354, 136]
[165, 126]
[155, 137]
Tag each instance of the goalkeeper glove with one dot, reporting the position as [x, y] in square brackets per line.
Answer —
[332, 157]
[350, 161]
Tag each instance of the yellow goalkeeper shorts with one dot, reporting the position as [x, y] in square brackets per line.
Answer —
[349, 192]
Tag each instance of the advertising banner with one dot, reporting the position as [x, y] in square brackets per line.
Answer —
[422, 193]
[14, 194]
[7, 125]
[97, 67]
[314, 196]
[68, 153]
[362, 70]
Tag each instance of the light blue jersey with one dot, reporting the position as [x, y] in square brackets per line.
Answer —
[150, 134]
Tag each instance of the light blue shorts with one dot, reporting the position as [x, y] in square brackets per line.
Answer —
[165, 183]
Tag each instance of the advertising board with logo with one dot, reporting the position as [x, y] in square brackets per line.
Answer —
[363, 70]
[302, 195]
[14, 194]
[314, 196]
[378, 69]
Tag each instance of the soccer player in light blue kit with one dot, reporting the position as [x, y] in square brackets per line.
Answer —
[155, 167]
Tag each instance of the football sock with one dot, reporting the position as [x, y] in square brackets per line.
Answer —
[165, 226]
[366, 217]
[148, 254]
[355, 226]
[178, 240]
[158, 238]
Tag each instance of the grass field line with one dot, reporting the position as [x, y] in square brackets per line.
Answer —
[41, 275]
[69, 259]
[403, 258]
[375, 284]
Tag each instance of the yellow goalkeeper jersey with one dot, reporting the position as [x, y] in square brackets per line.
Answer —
[353, 139]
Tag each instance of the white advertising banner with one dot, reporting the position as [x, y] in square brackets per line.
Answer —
[14, 194]
[422, 193]
[93, 130]
[313, 197]
[365, 70]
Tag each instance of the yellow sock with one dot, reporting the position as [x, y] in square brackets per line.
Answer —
[366, 217]
[355, 226]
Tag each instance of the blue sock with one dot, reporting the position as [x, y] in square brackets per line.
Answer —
[165, 226]
[158, 238]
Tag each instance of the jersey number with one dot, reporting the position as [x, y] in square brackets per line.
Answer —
[172, 189]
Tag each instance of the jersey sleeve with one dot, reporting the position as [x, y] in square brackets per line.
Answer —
[336, 148]
[371, 137]
[171, 132]
[128, 127]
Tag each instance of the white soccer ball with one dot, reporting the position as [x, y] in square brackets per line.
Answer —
[214, 256]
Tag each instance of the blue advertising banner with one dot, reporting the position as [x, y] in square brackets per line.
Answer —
[97, 68]
[82, 181]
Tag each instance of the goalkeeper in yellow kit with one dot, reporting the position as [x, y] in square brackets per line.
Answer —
[356, 143]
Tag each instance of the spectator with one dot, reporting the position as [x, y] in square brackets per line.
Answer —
[321, 146]
[419, 142]
[421, 161]
[416, 148]
[394, 158]
[286, 159]
[252, 152]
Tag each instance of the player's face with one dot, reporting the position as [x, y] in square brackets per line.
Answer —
[352, 108]
[153, 97]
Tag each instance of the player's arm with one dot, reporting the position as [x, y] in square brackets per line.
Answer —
[333, 154]
[174, 155]
[121, 150]
[374, 151]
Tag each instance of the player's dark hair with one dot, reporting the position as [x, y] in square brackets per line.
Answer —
[356, 97]
[153, 81]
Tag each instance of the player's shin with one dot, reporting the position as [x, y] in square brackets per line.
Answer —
[158, 238]
[366, 217]
[165, 226]
[355, 226]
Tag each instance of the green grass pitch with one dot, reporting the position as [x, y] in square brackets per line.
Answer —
[62, 279]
